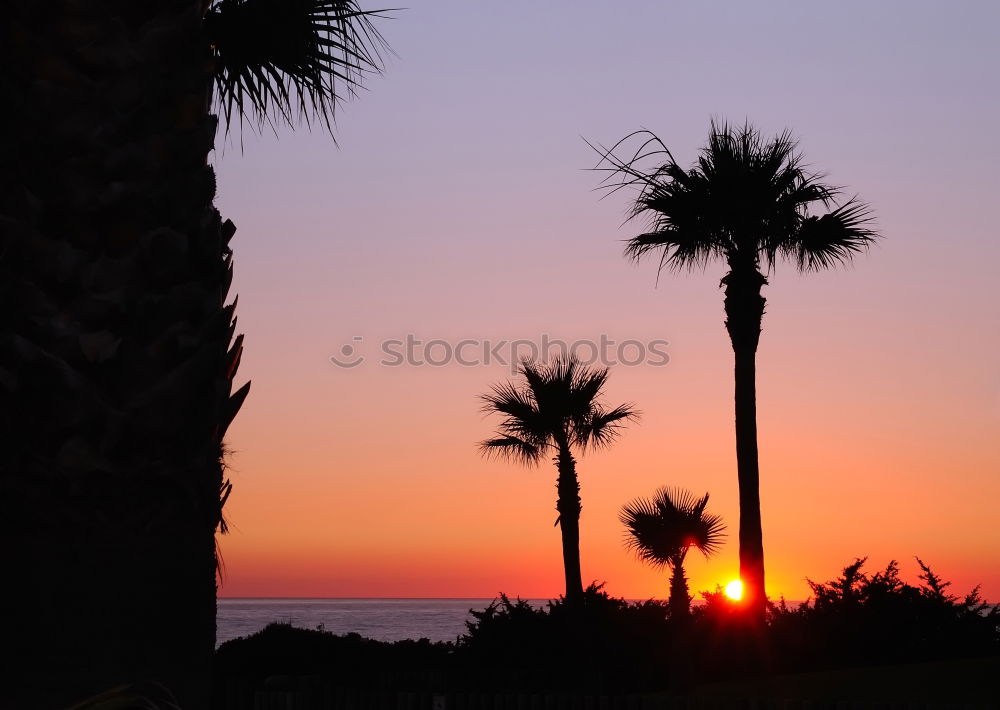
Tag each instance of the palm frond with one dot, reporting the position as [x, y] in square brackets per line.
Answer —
[643, 534]
[706, 531]
[676, 501]
[667, 197]
[603, 427]
[290, 60]
[628, 172]
[511, 448]
[521, 417]
[507, 398]
[585, 385]
[834, 238]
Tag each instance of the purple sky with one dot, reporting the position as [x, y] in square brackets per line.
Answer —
[458, 205]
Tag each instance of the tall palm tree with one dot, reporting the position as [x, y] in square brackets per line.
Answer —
[117, 349]
[555, 410]
[748, 202]
[661, 530]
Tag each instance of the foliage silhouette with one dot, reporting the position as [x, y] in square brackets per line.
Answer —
[615, 645]
[661, 530]
[280, 649]
[556, 409]
[597, 644]
[290, 59]
[602, 644]
[747, 202]
[872, 619]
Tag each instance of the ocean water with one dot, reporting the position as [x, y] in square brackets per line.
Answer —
[380, 619]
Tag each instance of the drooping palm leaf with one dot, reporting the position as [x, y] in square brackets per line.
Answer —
[603, 427]
[512, 448]
[290, 60]
[518, 407]
[833, 238]
[666, 198]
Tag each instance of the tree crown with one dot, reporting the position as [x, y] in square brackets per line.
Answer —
[746, 200]
[553, 406]
[661, 530]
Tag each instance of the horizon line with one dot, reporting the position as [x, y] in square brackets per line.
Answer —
[386, 597]
[456, 599]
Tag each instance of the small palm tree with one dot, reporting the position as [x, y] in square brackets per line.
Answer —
[556, 409]
[662, 529]
[747, 202]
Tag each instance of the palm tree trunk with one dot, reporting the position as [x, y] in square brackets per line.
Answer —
[744, 312]
[115, 359]
[680, 597]
[569, 507]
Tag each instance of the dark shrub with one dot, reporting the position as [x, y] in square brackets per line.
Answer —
[860, 619]
[608, 645]
[601, 644]
[281, 656]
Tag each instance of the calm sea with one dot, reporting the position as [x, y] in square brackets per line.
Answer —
[381, 619]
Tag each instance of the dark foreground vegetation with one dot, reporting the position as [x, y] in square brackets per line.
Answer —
[606, 645]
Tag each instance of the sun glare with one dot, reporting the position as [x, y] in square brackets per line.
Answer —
[734, 590]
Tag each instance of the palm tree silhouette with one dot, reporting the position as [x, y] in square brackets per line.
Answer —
[748, 202]
[557, 408]
[662, 529]
[117, 349]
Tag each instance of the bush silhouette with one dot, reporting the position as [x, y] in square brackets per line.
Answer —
[604, 644]
[862, 619]
[281, 656]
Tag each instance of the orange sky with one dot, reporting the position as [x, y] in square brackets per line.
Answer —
[367, 482]
[450, 213]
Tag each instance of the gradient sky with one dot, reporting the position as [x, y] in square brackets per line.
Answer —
[457, 205]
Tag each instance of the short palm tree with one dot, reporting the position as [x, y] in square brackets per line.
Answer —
[555, 410]
[117, 348]
[747, 202]
[661, 530]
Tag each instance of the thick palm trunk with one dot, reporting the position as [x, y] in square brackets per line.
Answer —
[680, 597]
[569, 507]
[744, 312]
[115, 357]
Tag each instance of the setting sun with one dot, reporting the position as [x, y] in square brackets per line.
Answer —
[734, 590]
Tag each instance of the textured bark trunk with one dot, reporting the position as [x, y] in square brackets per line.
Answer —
[680, 597]
[680, 666]
[744, 312]
[115, 358]
[569, 507]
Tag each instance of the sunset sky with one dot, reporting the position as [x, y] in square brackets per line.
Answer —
[458, 206]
